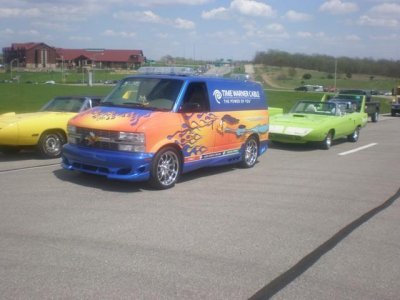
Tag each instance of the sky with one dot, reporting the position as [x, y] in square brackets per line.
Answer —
[208, 29]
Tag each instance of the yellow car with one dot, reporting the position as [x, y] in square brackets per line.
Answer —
[44, 130]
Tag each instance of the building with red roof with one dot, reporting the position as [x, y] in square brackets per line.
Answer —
[101, 58]
[30, 55]
[42, 56]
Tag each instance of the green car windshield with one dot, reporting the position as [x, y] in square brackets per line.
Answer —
[312, 107]
[147, 93]
[355, 100]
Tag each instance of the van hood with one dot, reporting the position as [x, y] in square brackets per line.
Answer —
[113, 118]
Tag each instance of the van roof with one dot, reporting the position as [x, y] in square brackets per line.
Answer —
[184, 73]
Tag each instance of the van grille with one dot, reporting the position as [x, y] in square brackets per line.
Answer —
[94, 138]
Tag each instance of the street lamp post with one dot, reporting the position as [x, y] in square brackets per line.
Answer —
[62, 68]
[11, 63]
[94, 65]
[93, 68]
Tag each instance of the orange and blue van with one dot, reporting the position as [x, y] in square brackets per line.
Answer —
[155, 127]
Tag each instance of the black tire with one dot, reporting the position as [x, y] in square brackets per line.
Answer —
[250, 153]
[50, 144]
[393, 113]
[327, 142]
[355, 135]
[375, 117]
[165, 169]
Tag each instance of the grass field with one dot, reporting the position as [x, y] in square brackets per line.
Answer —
[286, 79]
[68, 76]
[26, 97]
[31, 97]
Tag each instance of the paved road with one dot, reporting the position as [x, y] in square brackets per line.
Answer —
[302, 224]
[219, 71]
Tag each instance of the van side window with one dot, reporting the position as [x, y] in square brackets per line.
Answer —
[196, 98]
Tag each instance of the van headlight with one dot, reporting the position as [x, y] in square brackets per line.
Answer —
[71, 129]
[72, 135]
[131, 141]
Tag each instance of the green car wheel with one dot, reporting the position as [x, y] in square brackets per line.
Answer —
[327, 142]
[355, 135]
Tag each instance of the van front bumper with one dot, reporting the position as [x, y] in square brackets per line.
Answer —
[112, 164]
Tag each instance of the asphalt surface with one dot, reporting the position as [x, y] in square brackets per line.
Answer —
[303, 223]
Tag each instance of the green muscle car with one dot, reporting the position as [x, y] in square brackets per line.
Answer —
[321, 122]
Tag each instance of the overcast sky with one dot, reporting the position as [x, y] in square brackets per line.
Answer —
[208, 29]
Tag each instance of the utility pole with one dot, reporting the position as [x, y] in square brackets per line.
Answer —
[335, 72]
[62, 69]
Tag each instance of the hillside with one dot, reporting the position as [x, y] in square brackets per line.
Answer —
[290, 78]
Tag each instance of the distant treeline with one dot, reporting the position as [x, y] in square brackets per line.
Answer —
[325, 63]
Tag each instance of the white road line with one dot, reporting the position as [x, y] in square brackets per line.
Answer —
[358, 149]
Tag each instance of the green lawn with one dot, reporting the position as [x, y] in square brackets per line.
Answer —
[68, 76]
[286, 79]
[287, 99]
[24, 97]
[31, 97]
[285, 96]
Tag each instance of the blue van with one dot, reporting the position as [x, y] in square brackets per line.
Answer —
[154, 127]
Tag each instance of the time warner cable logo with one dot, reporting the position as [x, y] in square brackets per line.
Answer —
[218, 96]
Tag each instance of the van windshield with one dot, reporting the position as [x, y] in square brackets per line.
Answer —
[147, 93]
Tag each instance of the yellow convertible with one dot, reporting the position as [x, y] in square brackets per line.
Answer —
[46, 129]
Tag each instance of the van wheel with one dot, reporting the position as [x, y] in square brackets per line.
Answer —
[327, 142]
[355, 135]
[165, 169]
[250, 153]
[50, 144]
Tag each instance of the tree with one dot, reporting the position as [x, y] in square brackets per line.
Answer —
[323, 63]
[348, 75]
[168, 59]
[307, 76]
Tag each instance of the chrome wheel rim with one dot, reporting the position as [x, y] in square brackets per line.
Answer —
[168, 168]
[328, 141]
[250, 153]
[52, 144]
[355, 135]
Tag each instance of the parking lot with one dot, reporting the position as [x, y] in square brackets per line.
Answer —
[304, 223]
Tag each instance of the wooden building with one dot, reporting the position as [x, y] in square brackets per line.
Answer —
[40, 56]
[30, 55]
